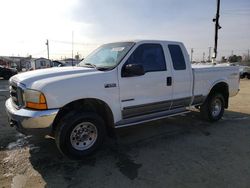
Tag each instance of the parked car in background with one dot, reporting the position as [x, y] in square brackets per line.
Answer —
[59, 64]
[245, 72]
[6, 73]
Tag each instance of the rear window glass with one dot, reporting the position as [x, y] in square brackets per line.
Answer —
[177, 57]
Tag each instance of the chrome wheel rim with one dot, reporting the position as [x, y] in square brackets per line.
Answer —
[216, 107]
[83, 136]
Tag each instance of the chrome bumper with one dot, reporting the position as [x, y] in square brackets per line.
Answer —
[29, 119]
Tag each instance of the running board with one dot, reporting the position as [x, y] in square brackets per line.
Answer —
[150, 117]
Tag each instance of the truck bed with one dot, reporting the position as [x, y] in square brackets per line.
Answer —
[206, 76]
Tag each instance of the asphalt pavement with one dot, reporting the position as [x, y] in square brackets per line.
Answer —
[181, 151]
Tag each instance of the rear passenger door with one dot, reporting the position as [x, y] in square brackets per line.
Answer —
[148, 93]
[182, 76]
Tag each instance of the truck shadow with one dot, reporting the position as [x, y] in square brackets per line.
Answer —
[121, 153]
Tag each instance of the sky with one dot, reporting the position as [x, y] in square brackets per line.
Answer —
[27, 24]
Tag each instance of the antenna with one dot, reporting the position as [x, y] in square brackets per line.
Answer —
[72, 47]
[192, 51]
[209, 54]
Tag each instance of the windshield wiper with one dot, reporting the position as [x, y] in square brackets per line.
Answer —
[90, 65]
[105, 68]
[97, 68]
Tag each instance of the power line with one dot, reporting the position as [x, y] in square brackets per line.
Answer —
[75, 43]
[236, 14]
[244, 11]
[236, 10]
[38, 53]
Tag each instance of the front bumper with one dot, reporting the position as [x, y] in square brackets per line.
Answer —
[30, 121]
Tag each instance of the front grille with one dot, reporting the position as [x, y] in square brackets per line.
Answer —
[16, 94]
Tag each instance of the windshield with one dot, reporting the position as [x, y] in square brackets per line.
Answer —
[107, 56]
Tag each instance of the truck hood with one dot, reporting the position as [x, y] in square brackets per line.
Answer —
[36, 78]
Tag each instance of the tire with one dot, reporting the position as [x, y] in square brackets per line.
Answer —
[248, 76]
[79, 134]
[213, 108]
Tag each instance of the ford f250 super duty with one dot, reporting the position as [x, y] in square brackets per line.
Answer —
[119, 84]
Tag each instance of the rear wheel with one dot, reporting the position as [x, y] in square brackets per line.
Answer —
[213, 108]
[79, 134]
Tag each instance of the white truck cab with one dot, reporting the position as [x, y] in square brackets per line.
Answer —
[119, 84]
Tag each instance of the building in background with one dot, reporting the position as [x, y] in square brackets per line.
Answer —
[41, 63]
[35, 63]
[10, 62]
[30, 63]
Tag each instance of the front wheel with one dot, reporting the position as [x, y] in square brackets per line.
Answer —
[213, 108]
[79, 134]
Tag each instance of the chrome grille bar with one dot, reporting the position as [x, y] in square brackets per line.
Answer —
[16, 94]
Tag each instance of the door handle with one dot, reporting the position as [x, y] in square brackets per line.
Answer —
[169, 81]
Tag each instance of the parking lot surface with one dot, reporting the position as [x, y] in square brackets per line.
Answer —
[181, 151]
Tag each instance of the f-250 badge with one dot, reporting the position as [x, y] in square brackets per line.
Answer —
[110, 85]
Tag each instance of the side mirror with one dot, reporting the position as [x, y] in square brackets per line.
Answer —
[133, 70]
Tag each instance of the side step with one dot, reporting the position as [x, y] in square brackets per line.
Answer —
[150, 117]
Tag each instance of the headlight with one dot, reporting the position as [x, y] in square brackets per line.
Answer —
[34, 99]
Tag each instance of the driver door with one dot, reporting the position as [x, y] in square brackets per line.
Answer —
[148, 93]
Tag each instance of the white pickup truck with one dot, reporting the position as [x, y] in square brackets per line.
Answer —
[119, 84]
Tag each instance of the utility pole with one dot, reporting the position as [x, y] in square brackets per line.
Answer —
[209, 54]
[248, 55]
[203, 57]
[47, 43]
[217, 27]
[192, 51]
[72, 46]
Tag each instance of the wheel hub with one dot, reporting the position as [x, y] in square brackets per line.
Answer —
[83, 136]
[216, 107]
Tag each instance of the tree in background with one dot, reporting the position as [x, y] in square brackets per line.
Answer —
[235, 58]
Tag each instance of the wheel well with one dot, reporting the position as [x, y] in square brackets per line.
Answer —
[223, 89]
[88, 105]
